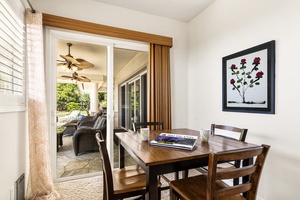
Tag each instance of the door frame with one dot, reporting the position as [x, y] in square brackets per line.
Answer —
[50, 37]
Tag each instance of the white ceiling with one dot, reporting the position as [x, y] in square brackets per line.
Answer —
[181, 10]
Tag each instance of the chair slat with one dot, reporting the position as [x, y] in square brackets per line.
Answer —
[232, 191]
[235, 173]
[244, 154]
[212, 186]
[155, 125]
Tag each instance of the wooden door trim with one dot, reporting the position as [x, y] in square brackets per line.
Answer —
[93, 28]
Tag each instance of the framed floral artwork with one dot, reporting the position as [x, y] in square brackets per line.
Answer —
[249, 80]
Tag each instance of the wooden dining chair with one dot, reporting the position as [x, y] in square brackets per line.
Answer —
[229, 132]
[121, 183]
[155, 125]
[212, 186]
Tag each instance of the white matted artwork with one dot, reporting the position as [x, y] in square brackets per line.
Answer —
[249, 80]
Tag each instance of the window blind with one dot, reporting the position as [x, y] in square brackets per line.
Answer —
[12, 57]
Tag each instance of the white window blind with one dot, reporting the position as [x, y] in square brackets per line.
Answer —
[12, 57]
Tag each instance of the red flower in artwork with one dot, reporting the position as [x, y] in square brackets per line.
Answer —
[259, 74]
[256, 61]
[243, 61]
[233, 67]
[243, 79]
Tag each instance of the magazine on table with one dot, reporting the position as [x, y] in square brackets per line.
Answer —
[175, 141]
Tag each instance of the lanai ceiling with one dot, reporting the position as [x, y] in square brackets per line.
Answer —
[95, 54]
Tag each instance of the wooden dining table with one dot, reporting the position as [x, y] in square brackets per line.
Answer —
[157, 160]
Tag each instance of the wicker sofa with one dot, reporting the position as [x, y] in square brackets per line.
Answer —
[84, 138]
[87, 121]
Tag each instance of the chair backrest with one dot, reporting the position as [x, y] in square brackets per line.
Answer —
[100, 122]
[230, 131]
[107, 170]
[252, 170]
[98, 114]
[152, 125]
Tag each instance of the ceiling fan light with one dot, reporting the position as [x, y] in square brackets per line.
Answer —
[64, 67]
[74, 80]
[74, 68]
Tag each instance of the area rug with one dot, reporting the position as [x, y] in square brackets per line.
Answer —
[91, 188]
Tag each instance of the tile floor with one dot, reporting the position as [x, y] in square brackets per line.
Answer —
[67, 164]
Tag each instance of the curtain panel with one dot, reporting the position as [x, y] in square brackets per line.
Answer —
[160, 85]
[40, 184]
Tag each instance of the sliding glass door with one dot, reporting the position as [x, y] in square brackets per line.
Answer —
[134, 101]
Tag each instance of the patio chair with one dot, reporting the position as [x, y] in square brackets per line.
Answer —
[84, 138]
[73, 125]
[213, 185]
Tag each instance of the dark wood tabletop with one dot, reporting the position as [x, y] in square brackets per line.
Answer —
[157, 160]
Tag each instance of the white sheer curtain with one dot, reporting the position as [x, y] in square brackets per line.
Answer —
[40, 184]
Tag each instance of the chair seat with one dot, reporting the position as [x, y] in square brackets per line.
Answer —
[128, 179]
[196, 189]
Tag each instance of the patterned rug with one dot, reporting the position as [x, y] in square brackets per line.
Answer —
[91, 188]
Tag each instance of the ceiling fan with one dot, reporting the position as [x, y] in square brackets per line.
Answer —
[70, 63]
[76, 78]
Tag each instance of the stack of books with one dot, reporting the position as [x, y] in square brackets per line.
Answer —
[175, 141]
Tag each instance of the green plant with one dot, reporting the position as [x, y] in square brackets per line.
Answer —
[65, 93]
[73, 106]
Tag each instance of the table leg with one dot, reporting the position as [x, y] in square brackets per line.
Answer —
[59, 141]
[151, 182]
[246, 162]
[185, 173]
[121, 156]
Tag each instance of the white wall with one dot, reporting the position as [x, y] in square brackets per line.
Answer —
[96, 12]
[227, 27]
[13, 139]
[12, 148]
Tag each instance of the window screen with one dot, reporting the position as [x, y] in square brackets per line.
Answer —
[12, 68]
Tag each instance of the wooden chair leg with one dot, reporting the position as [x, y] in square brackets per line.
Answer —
[185, 173]
[159, 193]
[172, 195]
[236, 181]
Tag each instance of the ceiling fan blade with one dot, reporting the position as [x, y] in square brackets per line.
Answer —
[83, 79]
[61, 64]
[70, 59]
[84, 64]
[67, 76]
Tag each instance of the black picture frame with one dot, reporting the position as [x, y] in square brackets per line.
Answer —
[249, 80]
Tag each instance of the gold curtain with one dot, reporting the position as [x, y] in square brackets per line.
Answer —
[40, 184]
[159, 85]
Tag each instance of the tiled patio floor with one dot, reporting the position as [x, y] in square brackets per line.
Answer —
[67, 164]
